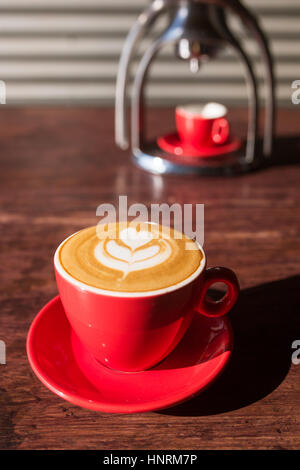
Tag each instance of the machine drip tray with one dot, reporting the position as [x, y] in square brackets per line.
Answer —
[152, 158]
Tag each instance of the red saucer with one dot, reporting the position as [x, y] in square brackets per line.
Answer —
[60, 362]
[171, 143]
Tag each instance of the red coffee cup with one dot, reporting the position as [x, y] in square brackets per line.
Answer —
[202, 126]
[135, 331]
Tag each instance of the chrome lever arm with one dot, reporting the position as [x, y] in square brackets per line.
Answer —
[144, 20]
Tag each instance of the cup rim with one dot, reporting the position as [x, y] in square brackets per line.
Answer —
[110, 293]
[185, 110]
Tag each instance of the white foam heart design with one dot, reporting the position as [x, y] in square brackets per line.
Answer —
[125, 254]
[134, 239]
[131, 257]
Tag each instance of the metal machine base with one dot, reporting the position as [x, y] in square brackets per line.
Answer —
[154, 160]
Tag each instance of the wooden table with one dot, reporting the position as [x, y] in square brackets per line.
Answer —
[57, 166]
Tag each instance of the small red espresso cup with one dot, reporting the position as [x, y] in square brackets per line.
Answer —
[202, 126]
[135, 331]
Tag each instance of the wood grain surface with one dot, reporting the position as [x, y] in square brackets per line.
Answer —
[57, 166]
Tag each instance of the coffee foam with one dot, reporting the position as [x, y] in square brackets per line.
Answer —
[129, 258]
[208, 111]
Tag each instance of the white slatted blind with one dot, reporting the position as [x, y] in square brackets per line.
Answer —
[54, 51]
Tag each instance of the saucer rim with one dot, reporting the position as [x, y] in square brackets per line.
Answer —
[193, 149]
[103, 407]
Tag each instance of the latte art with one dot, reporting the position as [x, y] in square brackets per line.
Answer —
[134, 251]
[129, 259]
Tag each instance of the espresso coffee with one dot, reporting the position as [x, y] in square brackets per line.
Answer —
[127, 257]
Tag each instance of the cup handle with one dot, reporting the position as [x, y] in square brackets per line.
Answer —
[212, 308]
[220, 131]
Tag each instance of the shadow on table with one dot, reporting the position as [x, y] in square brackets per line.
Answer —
[265, 321]
[286, 150]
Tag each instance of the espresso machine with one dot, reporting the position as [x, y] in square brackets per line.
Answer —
[198, 30]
